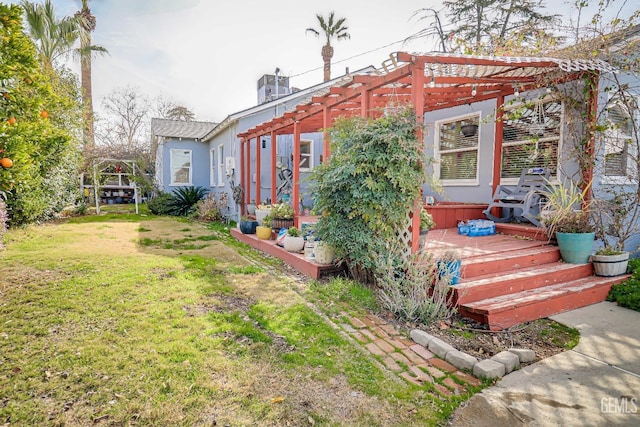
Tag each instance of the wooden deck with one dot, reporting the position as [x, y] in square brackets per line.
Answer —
[507, 279]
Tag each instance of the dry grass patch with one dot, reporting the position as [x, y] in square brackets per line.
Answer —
[99, 330]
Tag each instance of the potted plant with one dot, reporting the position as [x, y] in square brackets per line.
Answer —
[251, 207]
[449, 265]
[263, 231]
[567, 217]
[612, 230]
[426, 223]
[324, 253]
[282, 216]
[262, 210]
[293, 241]
[608, 261]
[248, 226]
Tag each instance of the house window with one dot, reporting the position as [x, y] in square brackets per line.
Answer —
[180, 167]
[531, 137]
[457, 150]
[306, 155]
[617, 138]
[212, 167]
[221, 167]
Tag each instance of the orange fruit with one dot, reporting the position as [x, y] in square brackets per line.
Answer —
[44, 114]
[12, 121]
[6, 162]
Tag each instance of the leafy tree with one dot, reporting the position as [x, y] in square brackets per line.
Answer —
[37, 122]
[494, 26]
[331, 29]
[56, 38]
[368, 187]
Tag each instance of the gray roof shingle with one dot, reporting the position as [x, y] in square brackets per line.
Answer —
[180, 128]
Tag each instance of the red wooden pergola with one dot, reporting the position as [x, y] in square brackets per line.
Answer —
[428, 82]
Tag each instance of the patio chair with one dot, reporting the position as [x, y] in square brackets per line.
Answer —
[522, 202]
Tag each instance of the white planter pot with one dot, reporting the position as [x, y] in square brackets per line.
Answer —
[610, 265]
[293, 244]
[261, 213]
[324, 253]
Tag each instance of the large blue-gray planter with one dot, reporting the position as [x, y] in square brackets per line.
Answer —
[575, 248]
[248, 227]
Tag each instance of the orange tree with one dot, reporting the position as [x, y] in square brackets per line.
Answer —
[37, 122]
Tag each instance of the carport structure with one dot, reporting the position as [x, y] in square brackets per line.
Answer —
[427, 82]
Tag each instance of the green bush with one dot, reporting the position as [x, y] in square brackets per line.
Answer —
[366, 191]
[161, 204]
[627, 294]
[185, 199]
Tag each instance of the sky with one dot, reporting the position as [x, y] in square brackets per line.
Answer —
[208, 55]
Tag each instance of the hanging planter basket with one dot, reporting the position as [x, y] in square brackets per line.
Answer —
[469, 130]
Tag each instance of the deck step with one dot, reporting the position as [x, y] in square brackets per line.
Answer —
[511, 260]
[504, 311]
[504, 284]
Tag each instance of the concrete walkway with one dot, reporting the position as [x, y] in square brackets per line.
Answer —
[595, 384]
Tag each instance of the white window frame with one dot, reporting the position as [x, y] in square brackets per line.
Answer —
[552, 178]
[173, 169]
[630, 177]
[221, 165]
[307, 155]
[212, 167]
[438, 153]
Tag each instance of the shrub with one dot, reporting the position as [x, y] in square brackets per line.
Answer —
[4, 219]
[627, 294]
[410, 287]
[161, 204]
[185, 199]
[366, 191]
[209, 208]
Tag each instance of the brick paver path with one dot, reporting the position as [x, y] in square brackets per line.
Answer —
[407, 359]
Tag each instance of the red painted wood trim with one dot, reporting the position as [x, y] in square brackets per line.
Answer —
[242, 172]
[295, 198]
[326, 139]
[274, 147]
[258, 151]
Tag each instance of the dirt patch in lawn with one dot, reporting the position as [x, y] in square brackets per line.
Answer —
[166, 236]
[544, 336]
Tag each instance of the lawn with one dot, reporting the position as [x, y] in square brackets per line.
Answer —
[141, 320]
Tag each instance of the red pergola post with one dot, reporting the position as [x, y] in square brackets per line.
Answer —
[326, 139]
[242, 173]
[497, 149]
[258, 151]
[592, 116]
[247, 192]
[274, 146]
[417, 95]
[365, 103]
[295, 197]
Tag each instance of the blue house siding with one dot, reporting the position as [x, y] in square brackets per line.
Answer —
[481, 191]
[199, 166]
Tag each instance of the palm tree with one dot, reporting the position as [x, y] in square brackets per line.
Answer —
[56, 38]
[332, 29]
[53, 38]
[87, 23]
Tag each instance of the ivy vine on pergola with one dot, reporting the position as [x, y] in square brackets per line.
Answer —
[428, 82]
